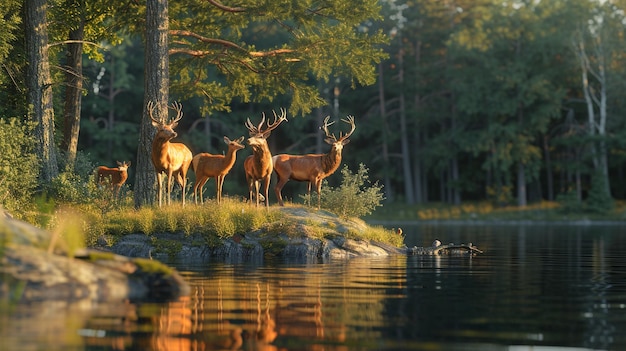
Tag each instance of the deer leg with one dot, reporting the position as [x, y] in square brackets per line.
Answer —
[159, 187]
[278, 189]
[170, 184]
[266, 188]
[318, 185]
[219, 180]
[308, 192]
[257, 186]
[182, 181]
[204, 180]
[197, 188]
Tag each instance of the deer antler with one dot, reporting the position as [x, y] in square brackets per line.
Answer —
[178, 107]
[151, 107]
[256, 130]
[325, 128]
[277, 120]
[350, 121]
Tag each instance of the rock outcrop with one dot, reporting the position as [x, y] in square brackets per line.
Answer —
[28, 272]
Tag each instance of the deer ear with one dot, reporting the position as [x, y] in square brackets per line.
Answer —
[240, 140]
[329, 141]
[174, 125]
[226, 140]
[155, 124]
[345, 141]
[119, 163]
[266, 134]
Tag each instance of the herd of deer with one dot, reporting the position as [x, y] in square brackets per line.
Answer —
[174, 159]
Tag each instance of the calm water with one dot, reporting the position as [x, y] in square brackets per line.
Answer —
[534, 288]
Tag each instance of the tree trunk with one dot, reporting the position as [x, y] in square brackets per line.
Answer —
[549, 174]
[39, 85]
[404, 139]
[157, 90]
[73, 93]
[385, 147]
[521, 185]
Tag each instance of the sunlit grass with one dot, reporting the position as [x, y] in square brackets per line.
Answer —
[216, 222]
[543, 210]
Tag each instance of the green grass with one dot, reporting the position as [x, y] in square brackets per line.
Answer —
[216, 223]
[541, 211]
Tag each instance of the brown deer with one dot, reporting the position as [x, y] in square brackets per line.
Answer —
[311, 168]
[171, 159]
[206, 165]
[113, 177]
[258, 166]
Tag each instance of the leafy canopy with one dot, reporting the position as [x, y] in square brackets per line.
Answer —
[264, 49]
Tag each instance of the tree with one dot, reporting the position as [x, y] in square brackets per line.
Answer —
[598, 47]
[219, 61]
[511, 87]
[39, 85]
[156, 90]
[260, 51]
[87, 22]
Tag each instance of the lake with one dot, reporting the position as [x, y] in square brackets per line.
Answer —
[535, 287]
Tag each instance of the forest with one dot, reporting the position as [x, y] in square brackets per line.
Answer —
[454, 101]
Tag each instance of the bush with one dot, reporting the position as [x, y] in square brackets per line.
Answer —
[18, 165]
[355, 197]
[599, 200]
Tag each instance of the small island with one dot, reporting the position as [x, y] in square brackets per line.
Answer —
[127, 265]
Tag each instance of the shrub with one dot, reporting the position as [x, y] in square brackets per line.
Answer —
[599, 200]
[355, 197]
[18, 165]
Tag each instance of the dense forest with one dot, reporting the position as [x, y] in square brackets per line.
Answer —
[455, 100]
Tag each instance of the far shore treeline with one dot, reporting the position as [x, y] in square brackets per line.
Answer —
[507, 102]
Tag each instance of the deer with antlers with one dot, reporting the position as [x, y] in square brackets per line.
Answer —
[113, 177]
[171, 159]
[258, 166]
[206, 165]
[312, 168]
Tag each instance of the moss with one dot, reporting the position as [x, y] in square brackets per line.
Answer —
[152, 266]
[100, 255]
[170, 247]
[274, 247]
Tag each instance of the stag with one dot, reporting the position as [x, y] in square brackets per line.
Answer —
[171, 159]
[258, 166]
[206, 165]
[312, 168]
[113, 177]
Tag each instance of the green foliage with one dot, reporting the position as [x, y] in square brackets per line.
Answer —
[599, 201]
[355, 197]
[18, 165]
[569, 202]
[274, 50]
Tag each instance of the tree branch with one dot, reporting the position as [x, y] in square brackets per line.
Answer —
[187, 33]
[226, 8]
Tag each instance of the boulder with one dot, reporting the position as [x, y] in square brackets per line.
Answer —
[29, 272]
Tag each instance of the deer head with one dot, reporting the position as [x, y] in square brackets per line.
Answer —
[258, 135]
[166, 129]
[338, 144]
[123, 166]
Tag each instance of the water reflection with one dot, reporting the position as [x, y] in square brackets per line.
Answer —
[533, 287]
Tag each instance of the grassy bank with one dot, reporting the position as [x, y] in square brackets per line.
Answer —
[214, 222]
[542, 211]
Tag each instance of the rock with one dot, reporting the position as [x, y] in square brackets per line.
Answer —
[28, 272]
[300, 242]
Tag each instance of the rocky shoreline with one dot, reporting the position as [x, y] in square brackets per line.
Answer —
[30, 272]
[130, 268]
